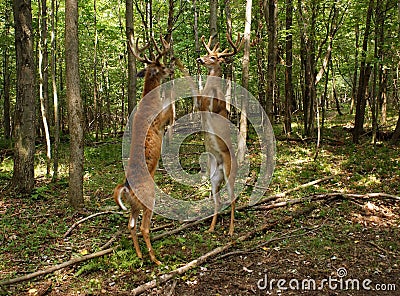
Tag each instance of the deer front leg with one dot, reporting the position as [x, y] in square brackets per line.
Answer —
[145, 229]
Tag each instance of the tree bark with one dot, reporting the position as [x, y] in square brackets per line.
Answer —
[396, 134]
[245, 84]
[44, 79]
[213, 21]
[131, 59]
[75, 118]
[354, 88]
[54, 86]
[24, 118]
[6, 78]
[365, 72]
[289, 68]
[272, 56]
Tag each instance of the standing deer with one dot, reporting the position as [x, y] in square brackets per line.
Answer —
[146, 140]
[222, 164]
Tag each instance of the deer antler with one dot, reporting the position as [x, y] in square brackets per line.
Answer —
[236, 46]
[166, 47]
[138, 51]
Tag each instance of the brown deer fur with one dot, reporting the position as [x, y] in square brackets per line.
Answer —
[222, 164]
[146, 140]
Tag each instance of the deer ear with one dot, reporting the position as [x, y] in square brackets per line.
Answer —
[141, 73]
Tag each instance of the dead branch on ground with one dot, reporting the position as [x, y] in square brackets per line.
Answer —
[87, 218]
[56, 267]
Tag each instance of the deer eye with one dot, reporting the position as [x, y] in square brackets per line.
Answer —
[212, 58]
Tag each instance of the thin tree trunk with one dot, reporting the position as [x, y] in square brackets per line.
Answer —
[337, 103]
[354, 88]
[54, 85]
[43, 78]
[95, 82]
[289, 68]
[245, 84]
[131, 59]
[396, 134]
[229, 66]
[75, 109]
[24, 118]
[6, 79]
[213, 21]
[260, 55]
[272, 56]
[365, 72]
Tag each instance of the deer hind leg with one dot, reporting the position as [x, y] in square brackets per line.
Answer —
[217, 177]
[230, 169]
[132, 225]
[145, 229]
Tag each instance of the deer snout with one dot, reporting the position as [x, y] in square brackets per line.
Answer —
[200, 61]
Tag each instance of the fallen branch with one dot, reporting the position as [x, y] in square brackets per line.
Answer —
[272, 239]
[166, 277]
[284, 193]
[56, 267]
[87, 218]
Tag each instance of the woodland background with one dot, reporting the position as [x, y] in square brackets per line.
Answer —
[326, 73]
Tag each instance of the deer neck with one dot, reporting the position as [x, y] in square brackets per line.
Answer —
[150, 84]
[216, 71]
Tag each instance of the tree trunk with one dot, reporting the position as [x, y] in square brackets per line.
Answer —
[213, 21]
[24, 118]
[75, 118]
[365, 72]
[245, 84]
[54, 85]
[6, 79]
[354, 88]
[229, 66]
[272, 56]
[396, 134]
[131, 59]
[307, 47]
[43, 79]
[288, 68]
[95, 82]
[260, 55]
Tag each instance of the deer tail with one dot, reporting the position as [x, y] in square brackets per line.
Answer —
[118, 192]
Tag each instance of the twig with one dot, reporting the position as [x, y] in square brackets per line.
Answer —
[378, 247]
[87, 218]
[111, 240]
[56, 267]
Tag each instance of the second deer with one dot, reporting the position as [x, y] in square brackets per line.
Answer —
[222, 163]
[146, 140]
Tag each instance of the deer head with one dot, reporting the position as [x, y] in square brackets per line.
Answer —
[215, 57]
[155, 68]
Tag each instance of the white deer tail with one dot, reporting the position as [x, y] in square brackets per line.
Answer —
[118, 192]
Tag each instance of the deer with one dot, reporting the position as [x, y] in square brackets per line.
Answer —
[222, 164]
[146, 141]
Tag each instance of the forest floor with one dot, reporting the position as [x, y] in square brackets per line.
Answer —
[346, 243]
